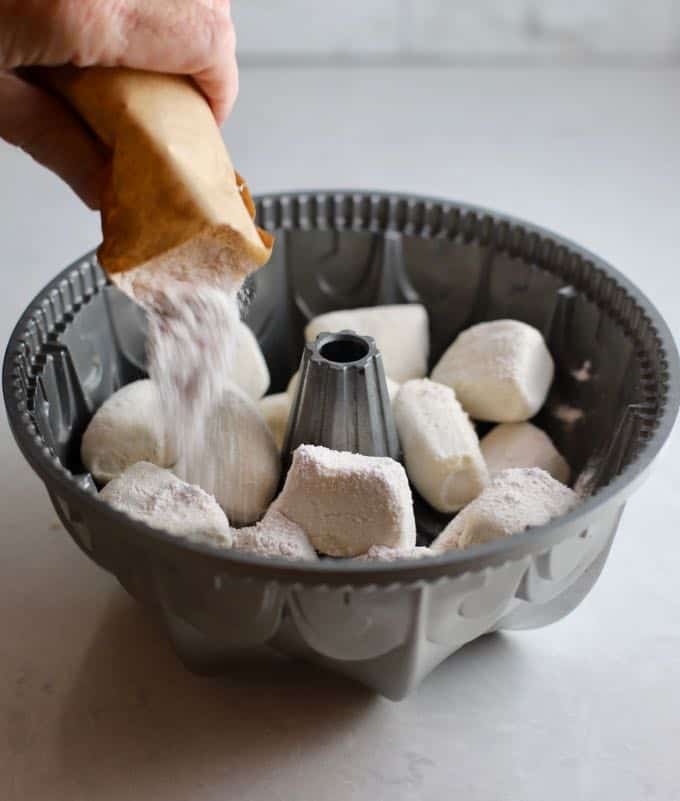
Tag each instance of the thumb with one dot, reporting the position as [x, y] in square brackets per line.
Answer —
[53, 135]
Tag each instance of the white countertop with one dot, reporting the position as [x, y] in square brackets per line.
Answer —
[94, 706]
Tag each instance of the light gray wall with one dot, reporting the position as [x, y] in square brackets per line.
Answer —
[468, 31]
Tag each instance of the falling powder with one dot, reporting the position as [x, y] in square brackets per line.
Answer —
[193, 319]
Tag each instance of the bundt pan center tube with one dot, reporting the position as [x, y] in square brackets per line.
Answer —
[341, 400]
[384, 624]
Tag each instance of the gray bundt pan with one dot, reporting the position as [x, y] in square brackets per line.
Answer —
[386, 625]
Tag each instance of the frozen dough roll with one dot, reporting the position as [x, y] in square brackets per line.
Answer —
[239, 464]
[501, 371]
[160, 499]
[275, 410]
[275, 535]
[127, 428]
[250, 369]
[440, 445]
[401, 334]
[512, 502]
[523, 445]
[347, 502]
[381, 553]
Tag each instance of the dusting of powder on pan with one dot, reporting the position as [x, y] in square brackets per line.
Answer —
[584, 372]
[587, 479]
[569, 415]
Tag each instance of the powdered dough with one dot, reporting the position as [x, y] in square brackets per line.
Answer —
[239, 461]
[127, 428]
[440, 445]
[347, 502]
[250, 370]
[382, 553]
[293, 384]
[401, 334]
[501, 371]
[275, 535]
[523, 445]
[513, 501]
[275, 410]
[291, 389]
[160, 499]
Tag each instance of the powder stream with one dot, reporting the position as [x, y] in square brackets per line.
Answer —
[192, 326]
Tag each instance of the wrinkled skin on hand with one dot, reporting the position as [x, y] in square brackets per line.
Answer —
[188, 37]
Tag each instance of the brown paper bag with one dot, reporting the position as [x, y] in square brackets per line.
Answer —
[173, 200]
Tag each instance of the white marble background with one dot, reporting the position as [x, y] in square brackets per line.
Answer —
[625, 32]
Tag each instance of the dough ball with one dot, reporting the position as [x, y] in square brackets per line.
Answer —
[513, 501]
[275, 410]
[275, 535]
[127, 428]
[440, 445]
[162, 500]
[382, 553]
[523, 445]
[347, 502]
[501, 371]
[250, 369]
[239, 464]
[401, 334]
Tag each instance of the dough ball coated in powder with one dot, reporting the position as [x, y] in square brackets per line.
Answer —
[240, 464]
[401, 334]
[441, 449]
[513, 501]
[347, 502]
[275, 535]
[127, 428]
[160, 499]
[382, 553]
[501, 371]
[523, 445]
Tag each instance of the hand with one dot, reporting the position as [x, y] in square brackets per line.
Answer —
[189, 37]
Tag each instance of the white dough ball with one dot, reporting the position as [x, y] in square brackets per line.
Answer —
[513, 501]
[127, 428]
[347, 502]
[293, 384]
[523, 445]
[440, 445]
[162, 500]
[240, 462]
[275, 409]
[250, 369]
[382, 553]
[401, 334]
[501, 371]
[275, 535]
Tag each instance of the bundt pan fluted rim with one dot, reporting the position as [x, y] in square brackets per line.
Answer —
[373, 212]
